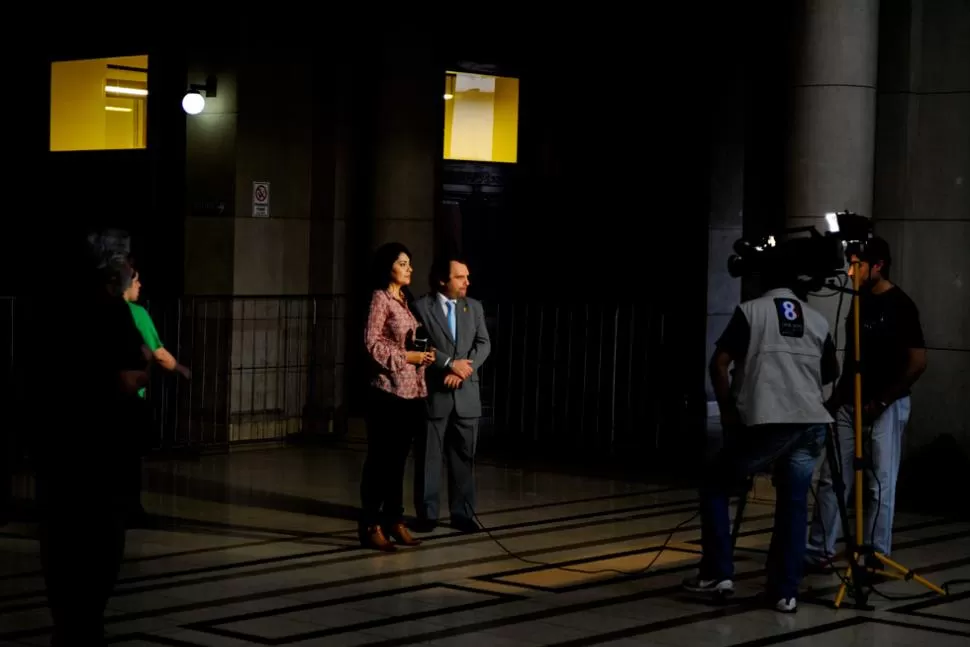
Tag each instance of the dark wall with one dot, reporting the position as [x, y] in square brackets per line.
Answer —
[141, 191]
[609, 201]
[27, 208]
[767, 43]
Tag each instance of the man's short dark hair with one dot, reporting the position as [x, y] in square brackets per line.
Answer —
[441, 270]
[118, 273]
[877, 251]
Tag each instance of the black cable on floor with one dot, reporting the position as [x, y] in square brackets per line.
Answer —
[570, 569]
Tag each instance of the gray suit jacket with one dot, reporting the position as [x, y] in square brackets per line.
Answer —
[472, 343]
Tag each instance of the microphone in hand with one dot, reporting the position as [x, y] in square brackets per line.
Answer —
[417, 340]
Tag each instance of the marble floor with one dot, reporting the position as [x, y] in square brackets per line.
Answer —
[258, 548]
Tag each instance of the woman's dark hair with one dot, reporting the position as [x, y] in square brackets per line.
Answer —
[384, 259]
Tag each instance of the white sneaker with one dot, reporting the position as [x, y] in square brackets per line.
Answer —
[786, 605]
[718, 587]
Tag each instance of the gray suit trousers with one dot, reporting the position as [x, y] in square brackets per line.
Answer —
[456, 438]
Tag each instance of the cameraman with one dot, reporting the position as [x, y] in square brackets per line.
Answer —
[773, 413]
[893, 355]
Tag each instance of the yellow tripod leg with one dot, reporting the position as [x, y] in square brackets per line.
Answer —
[842, 588]
[908, 574]
[885, 573]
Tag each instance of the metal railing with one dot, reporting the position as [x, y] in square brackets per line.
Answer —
[573, 376]
[264, 368]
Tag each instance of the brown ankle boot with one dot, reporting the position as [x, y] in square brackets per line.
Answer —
[402, 535]
[373, 537]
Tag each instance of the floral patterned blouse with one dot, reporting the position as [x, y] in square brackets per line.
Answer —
[389, 322]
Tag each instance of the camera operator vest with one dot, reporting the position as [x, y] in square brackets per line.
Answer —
[779, 381]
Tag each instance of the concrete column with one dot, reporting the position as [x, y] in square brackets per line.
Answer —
[833, 118]
[832, 137]
[274, 144]
[727, 206]
[336, 121]
[408, 142]
[922, 197]
[205, 326]
[257, 128]
[210, 183]
[831, 140]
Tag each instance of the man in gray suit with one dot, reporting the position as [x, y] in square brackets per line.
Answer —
[456, 328]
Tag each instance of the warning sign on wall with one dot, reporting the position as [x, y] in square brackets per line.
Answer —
[260, 199]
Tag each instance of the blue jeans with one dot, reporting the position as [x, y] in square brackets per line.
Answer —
[794, 450]
[884, 446]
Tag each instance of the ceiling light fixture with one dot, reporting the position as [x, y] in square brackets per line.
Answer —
[131, 92]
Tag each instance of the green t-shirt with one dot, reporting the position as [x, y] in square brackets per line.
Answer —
[145, 326]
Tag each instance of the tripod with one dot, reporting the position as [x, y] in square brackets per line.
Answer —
[856, 551]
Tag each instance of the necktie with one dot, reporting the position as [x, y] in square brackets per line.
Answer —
[451, 320]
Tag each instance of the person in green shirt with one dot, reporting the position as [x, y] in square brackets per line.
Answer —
[145, 326]
[135, 514]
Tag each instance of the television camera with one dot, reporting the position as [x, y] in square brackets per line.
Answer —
[809, 259]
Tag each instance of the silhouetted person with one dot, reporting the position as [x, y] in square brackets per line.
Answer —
[80, 386]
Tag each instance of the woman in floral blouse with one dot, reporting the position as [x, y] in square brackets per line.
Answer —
[396, 403]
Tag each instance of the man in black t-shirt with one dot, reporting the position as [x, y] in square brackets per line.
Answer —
[893, 356]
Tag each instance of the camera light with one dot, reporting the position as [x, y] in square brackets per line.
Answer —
[832, 220]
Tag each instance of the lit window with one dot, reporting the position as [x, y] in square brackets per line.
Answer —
[99, 104]
[481, 117]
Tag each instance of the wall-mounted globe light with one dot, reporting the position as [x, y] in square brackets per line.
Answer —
[193, 103]
[194, 100]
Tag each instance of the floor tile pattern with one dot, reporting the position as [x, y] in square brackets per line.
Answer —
[259, 548]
